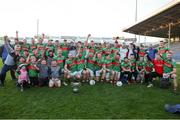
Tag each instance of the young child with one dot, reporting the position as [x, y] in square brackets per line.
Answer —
[44, 71]
[133, 68]
[140, 69]
[32, 70]
[23, 78]
[55, 73]
[149, 68]
[125, 70]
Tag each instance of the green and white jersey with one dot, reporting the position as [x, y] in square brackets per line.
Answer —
[60, 61]
[25, 46]
[65, 50]
[80, 62]
[133, 64]
[41, 46]
[49, 47]
[99, 63]
[140, 64]
[71, 65]
[162, 51]
[168, 65]
[148, 66]
[116, 65]
[32, 71]
[92, 49]
[90, 63]
[108, 64]
[126, 65]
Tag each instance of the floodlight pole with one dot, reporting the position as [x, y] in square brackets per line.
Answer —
[169, 35]
[136, 11]
[37, 27]
[136, 17]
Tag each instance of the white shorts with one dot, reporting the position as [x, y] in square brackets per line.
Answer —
[79, 72]
[117, 73]
[91, 72]
[107, 76]
[54, 82]
[98, 72]
[72, 74]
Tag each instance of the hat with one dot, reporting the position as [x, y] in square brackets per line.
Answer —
[21, 65]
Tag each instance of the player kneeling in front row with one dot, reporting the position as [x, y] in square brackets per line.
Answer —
[169, 70]
[100, 69]
[116, 63]
[70, 68]
[81, 69]
[55, 73]
[90, 66]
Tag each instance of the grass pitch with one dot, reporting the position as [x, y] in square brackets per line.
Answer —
[100, 101]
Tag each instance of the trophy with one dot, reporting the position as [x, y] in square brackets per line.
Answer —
[75, 86]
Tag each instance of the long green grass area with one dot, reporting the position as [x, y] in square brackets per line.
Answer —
[100, 101]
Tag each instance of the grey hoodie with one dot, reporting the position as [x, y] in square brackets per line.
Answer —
[55, 72]
[44, 71]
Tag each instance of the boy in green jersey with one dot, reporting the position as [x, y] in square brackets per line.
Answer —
[140, 69]
[126, 69]
[133, 68]
[32, 70]
[148, 68]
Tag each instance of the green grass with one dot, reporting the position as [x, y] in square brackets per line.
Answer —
[99, 101]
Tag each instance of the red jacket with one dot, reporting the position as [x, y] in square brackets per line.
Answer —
[158, 66]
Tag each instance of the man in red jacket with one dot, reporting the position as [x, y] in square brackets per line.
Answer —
[158, 66]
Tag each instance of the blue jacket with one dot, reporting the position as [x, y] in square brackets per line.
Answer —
[151, 53]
